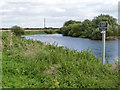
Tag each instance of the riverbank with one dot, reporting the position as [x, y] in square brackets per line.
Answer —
[107, 38]
[113, 38]
[56, 31]
[47, 66]
[40, 32]
[30, 32]
[79, 44]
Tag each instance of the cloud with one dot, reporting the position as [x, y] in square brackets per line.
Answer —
[30, 13]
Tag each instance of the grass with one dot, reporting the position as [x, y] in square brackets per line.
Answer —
[40, 32]
[34, 32]
[113, 37]
[33, 64]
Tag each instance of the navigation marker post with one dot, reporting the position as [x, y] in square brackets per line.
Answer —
[103, 27]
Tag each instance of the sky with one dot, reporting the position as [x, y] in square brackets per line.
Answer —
[119, 13]
[31, 13]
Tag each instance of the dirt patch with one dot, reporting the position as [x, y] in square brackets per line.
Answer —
[114, 67]
[53, 69]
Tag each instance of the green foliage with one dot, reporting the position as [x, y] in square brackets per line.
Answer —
[89, 29]
[67, 23]
[66, 29]
[113, 26]
[17, 30]
[40, 32]
[34, 32]
[50, 31]
[106, 18]
[32, 64]
[75, 30]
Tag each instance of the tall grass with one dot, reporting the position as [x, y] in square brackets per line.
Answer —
[40, 32]
[32, 64]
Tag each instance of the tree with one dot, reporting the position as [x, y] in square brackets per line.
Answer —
[112, 24]
[75, 30]
[109, 19]
[17, 30]
[66, 29]
[70, 22]
[86, 28]
[90, 29]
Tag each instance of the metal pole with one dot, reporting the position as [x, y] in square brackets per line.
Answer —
[103, 47]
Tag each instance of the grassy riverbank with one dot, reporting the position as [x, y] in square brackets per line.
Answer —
[113, 38]
[56, 31]
[32, 64]
[40, 32]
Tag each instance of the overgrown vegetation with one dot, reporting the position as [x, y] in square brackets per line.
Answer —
[17, 30]
[32, 64]
[90, 28]
[50, 31]
[41, 32]
[34, 32]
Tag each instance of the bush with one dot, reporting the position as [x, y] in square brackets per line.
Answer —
[17, 30]
[49, 32]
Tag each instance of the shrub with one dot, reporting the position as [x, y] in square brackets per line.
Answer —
[49, 32]
[17, 30]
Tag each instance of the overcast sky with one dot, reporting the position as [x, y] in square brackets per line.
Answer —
[31, 13]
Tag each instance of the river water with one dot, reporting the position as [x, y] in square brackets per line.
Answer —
[79, 44]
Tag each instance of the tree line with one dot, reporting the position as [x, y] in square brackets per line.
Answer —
[90, 28]
[32, 28]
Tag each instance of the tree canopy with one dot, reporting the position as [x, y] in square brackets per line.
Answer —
[90, 28]
[17, 30]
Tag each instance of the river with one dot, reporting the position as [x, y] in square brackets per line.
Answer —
[79, 44]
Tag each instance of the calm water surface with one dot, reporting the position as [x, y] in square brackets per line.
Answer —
[79, 44]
